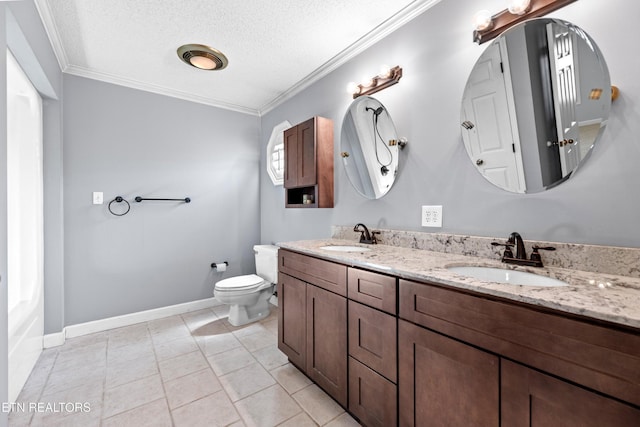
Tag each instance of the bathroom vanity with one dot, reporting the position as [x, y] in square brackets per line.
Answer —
[397, 339]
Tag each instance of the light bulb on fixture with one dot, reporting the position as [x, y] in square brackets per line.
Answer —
[202, 62]
[368, 81]
[385, 71]
[482, 20]
[518, 7]
[352, 87]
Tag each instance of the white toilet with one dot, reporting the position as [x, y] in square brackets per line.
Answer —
[248, 295]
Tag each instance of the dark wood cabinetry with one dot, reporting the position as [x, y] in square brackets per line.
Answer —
[373, 289]
[292, 332]
[588, 354]
[444, 382]
[425, 354]
[373, 352]
[372, 398]
[308, 152]
[312, 326]
[531, 398]
[327, 341]
[373, 339]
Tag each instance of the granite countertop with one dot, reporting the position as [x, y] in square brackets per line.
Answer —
[601, 296]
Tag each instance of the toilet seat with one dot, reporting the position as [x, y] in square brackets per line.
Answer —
[241, 284]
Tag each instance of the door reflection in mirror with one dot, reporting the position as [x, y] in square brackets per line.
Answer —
[369, 151]
[536, 102]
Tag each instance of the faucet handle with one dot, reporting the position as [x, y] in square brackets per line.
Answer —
[535, 255]
[543, 248]
[507, 248]
[373, 236]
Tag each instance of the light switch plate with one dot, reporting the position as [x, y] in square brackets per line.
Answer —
[98, 198]
[432, 216]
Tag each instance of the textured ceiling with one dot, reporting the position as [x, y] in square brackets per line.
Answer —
[275, 48]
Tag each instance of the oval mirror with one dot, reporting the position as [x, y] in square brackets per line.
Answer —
[535, 104]
[368, 147]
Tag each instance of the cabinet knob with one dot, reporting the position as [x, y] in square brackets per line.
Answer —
[344, 154]
[479, 162]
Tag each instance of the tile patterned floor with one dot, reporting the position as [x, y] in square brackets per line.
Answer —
[190, 370]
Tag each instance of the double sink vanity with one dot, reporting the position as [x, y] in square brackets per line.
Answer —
[403, 336]
[436, 330]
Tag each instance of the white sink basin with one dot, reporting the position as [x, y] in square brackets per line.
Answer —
[501, 275]
[345, 248]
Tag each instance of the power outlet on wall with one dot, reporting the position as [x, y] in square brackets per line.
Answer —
[432, 216]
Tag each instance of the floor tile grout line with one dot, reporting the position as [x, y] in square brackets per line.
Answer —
[164, 389]
[218, 378]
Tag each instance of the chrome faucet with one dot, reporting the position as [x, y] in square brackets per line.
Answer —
[366, 236]
[520, 257]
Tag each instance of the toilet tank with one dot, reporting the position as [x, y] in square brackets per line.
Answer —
[267, 262]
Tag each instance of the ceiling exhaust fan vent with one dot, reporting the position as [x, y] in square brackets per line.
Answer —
[202, 57]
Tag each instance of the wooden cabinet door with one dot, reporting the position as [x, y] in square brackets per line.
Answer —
[372, 398]
[443, 382]
[306, 153]
[531, 398]
[292, 299]
[300, 155]
[327, 342]
[291, 157]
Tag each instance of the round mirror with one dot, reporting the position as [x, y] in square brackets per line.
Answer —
[368, 147]
[535, 103]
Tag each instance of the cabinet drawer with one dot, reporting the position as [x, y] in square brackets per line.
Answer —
[373, 338]
[372, 398]
[373, 289]
[594, 354]
[324, 274]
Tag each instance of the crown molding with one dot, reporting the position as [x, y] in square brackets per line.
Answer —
[52, 32]
[161, 90]
[405, 15]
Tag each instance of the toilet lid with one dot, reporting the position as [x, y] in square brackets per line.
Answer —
[248, 281]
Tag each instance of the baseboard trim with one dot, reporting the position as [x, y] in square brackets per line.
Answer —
[73, 331]
[53, 340]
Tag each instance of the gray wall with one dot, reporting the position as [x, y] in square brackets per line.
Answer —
[24, 34]
[599, 205]
[133, 143]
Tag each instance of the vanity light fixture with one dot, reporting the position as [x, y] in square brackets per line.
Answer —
[517, 11]
[387, 77]
[202, 57]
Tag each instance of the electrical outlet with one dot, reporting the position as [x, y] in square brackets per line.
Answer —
[98, 198]
[432, 216]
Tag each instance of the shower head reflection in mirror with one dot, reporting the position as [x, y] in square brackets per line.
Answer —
[529, 117]
[369, 147]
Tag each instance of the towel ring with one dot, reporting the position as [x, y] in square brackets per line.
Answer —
[119, 199]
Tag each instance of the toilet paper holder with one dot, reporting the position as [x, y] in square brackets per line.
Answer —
[214, 265]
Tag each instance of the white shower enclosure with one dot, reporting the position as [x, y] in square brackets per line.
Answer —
[25, 226]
